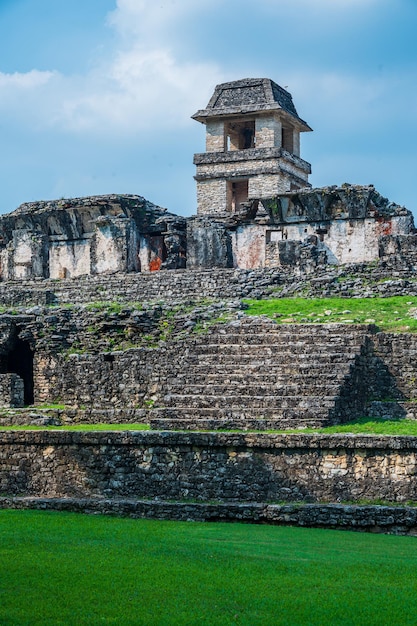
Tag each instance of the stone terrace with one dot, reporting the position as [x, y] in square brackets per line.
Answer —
[384, 279]
[254, 374]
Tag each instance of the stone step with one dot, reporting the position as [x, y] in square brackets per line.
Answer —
[244, 419]
[257, 325]
[257, 377]
[262, 360]
[272, 348]
[281, 372]
[231, 424]
[236, 402]
[311, 338]
[257, 389]
[240, 413]
[322, 329]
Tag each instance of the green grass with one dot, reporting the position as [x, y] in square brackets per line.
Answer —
[397, 313]
[80, 427]
[69, 569]
[363, 425]
[366, 425]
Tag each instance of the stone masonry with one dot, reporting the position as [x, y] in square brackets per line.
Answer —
[252, 146]
[114, 311]
[232, 467]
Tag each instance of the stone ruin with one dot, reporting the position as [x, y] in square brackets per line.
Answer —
[255, 208]
[116, 311]
[95, 235]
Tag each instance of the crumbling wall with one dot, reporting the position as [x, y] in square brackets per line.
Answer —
[248, 245]
[337, 225]
[11, 391]
[122, 234]
[208, 244]
[81, 236]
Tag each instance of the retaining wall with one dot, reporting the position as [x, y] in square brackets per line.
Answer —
[399, 520]
[395, 276]
[221, 467]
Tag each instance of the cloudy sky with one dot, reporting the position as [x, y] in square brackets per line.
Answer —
[96, 95]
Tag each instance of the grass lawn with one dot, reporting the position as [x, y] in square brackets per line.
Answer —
[64, 568]
[398, 313]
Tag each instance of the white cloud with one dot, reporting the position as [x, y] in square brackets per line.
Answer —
[140, 85]
[148, 19]
[138, 90]
[28, 80]
[344, 98]
[145, 85]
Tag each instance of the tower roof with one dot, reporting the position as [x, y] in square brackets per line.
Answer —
[249, 95]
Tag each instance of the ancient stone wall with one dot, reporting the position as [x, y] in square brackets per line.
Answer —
[208, 467]
[399, 520]
[173, 285]
[394, 275]
[94, 235]
[11, 391]
[269, 171]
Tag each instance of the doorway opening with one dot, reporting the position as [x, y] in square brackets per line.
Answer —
[237, 192]
[19, 360]
[287, 139]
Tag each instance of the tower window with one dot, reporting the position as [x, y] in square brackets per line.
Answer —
[240, 135]
[287, 139]
[237, 192]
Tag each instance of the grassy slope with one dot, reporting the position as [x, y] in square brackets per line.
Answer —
[398, 313]
[72, 569]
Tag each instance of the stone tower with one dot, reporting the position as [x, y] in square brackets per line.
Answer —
[252, 146]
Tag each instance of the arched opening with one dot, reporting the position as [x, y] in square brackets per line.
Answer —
[19, 361]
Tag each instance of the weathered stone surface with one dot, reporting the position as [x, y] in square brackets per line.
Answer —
[252, 146]
[209, 244]
[208, 467]
[178, 367]
[90, 332]
[94, 235]
[11, 391]
[396, 520]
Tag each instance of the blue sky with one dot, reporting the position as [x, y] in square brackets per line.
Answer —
[96, 95]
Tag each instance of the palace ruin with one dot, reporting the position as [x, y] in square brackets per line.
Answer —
[255, 208]
[116, 311]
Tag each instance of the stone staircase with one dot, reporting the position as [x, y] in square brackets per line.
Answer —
[256, 374]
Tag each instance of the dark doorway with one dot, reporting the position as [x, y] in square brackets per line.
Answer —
[237, 192]
[20, 362]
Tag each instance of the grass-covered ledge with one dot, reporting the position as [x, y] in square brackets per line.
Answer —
[397, 313]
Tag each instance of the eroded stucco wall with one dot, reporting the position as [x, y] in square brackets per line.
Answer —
[248, 244]
[69, 259]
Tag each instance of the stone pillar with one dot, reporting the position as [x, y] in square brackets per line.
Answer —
[268, 131]
[215, 136]
[27, 254]
[115, 247]
[11, 391]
